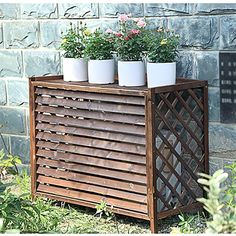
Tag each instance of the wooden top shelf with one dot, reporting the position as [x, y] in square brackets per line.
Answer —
[58, 82]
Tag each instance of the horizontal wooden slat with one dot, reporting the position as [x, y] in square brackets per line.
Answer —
[95, 106]
[97, 115]
[94, 180]
[93, 198]
[91, 96]
[93, 124]
[93, 152]
[93, 189]
[125, 138]
[94, 161]
[94, 170]
[91, 142]
[93, 205]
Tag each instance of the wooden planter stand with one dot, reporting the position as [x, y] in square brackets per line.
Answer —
[138, 149]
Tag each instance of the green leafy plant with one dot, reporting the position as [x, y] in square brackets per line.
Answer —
[73, 42]
[99, 45]
[102, 209]
[162, 45]
[223, 214]
[230, 192]
[129, 40]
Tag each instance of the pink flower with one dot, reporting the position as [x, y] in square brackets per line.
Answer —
[123, 17]
[126, 38]
[109, 31]
[141, 23]
[135, 31]
[118, 34]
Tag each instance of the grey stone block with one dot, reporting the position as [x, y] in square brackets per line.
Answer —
[1, 36]
[51, 32]
[20, 146]
[10, 63]
[196, 32]
[9, 11]
[214, 8]
[39, 11]
[166, 9]
[154, 23]
[184, 67]
[214, 104]
[3, 92]
[215, 164]
[222, 137]
[18, 94]
[114, 9]
[228, 32]
[104, 24]
[21, 34]
[12, 121]
[207, 67]
[38, 63]
[4, 143]
[78, 10]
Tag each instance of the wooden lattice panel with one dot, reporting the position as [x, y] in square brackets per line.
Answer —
[138, 149]
[179, 151]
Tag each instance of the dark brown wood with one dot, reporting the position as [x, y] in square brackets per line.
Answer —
[93, 152]
[94, 106]
[96, 171]
[93, 189]
[93, 161]
[33, 148]
[142, 208]
[129, 119]
[91, 96]
[93, 124]
[151, 170]
[106, 135]
[90, 142]
[94, 180]
[93, 205]
[138, 149]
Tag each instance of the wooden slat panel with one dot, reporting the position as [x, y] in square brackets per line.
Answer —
[93, 189]
[94, 170]
[91, 96]
[93, 124]
[93, 198]
[116, 210]
[90, 142]
[94, 180]
[96, 106]
[93, 152]
[125, 138]
[129, 119]
[94, 161]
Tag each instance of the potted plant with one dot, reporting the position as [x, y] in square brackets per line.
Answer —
[98, 48]
[129, 46]
[162, 49]
[74, 64]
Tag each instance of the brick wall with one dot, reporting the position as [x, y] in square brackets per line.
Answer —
[30, 36]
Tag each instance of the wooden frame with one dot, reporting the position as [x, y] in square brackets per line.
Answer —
[138, 149]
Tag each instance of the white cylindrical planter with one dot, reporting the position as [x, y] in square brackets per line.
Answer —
[161, 74]
[101, 71]
[75, 69]
[131, 73]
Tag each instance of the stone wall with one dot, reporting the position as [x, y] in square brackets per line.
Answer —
[30, 36]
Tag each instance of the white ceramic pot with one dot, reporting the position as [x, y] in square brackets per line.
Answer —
[75, 69]
[101, 71]
[161, 74]
[131, 73]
